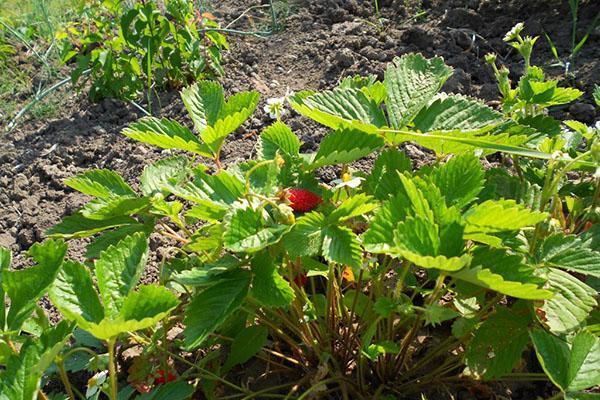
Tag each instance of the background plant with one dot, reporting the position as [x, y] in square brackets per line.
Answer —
[131, 48]
[568, 62]
[29, 54]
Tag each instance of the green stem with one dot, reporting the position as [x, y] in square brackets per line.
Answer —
[558, 396]
[60, 364]
[112, 369]
[317, 386]
[596, 198]
[253, 169]
[274, 25]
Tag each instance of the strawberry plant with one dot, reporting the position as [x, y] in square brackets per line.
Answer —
[125, 49]
[379, 284]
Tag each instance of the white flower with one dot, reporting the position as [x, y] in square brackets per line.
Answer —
[274, 107]
[95, 383]
[514, 32]
[351, 183]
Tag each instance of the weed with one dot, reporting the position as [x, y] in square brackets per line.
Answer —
[29, 53]
[568, 63]
[129, 50]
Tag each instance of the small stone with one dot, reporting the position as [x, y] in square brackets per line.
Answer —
[583, 112]
[459, 82]
[98, 130]
[418, 36]
[7, 240]
[370, 53]
[20, 187]
[25, 238]
[462, 18]
[344, 58]
[347, 28]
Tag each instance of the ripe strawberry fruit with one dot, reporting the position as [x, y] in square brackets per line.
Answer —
[300, 280]
[303, 200]
[163, 377]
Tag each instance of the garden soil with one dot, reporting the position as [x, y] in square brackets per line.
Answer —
[321, 42]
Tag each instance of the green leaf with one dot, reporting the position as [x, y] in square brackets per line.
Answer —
[211, 307]
[418, 240]
[246, 230]
[354, 206]
[235, 112]
[108, 238]
[417, 235]
[582, 396]
[341, 245]
[500, 216]
[535, 90]
[339, 108]
[571, 368]
[268, 287]
[450, 112]
[584, 368]
[100, 183]
[51, 343]
[204, 101]
[545, 126]
[596, 95]
[78, 226]
[411, 81]
[384, 180]
[146, 306]
[278, 137]
[496, 270]
[25, 287]
[166, 134]
[306, 236]
[207, 274]
[435, 314]
[458, 141]
[207, 211]
[409, 200]
[572, 302]
[74, 295]
[369, 85]
[119, 269]
[345, 146]
[18, 380]
[492, 353]
[437, 262]
[112, 207]
[460, 180]
[224, 188]
[418, 205]
[140, 310]
[179, 390]
[499, 184]
[570, 253]
[263, 179]
[246, 344]
[157, 177]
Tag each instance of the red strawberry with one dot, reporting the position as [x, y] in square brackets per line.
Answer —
[162, 377]
[300, 280]
[303, 200]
